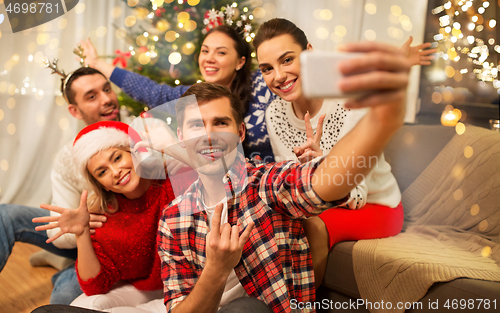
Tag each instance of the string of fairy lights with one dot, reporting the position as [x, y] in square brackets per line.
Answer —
[467, 43]
[461, 28]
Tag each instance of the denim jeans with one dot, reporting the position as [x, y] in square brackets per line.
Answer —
[16, 225]
[66, 286]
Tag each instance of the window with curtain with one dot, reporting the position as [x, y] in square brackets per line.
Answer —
[34, 120]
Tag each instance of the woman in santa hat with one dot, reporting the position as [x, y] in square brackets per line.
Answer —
[119, 259]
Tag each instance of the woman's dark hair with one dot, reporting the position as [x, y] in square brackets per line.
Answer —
[277, 27]
[242, 81]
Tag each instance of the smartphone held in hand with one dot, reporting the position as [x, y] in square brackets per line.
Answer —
[320, 74]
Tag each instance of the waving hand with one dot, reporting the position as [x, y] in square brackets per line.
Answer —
[69, 221]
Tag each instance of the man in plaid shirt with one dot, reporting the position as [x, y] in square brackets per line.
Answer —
[236, 232]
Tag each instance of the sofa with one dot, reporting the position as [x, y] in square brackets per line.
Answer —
[410, 153]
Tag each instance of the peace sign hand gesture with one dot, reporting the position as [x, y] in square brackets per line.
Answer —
[311, 148]
[69, 221]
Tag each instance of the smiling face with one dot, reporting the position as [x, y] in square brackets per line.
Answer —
[94, 100]
[209, 133]
[113, 168]
[279, 62]
[219, 59]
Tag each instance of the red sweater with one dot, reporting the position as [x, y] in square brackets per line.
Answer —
[126, 244]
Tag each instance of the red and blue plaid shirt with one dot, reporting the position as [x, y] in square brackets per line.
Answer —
[276, 265]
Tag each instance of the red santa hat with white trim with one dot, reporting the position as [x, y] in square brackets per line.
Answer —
[101, 136]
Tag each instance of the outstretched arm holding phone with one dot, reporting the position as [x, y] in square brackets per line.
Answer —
[387, 83]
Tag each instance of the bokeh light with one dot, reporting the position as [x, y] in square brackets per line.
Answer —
[11, 103]
[326, 14]
[486, 252]
[474, 210]
[11, 129]
[79, 8]
[458, 194]
[371, 8]
[340, 30]
[460, 128]
[60, 101]
[64, 123]
[483, 225]
[144, 58]
[190, 26]
[170, 36]
[130, 21]
[188, 48]
[396, 10]
[437, 97]
[62, 23]
[42, 39]
[408, 138]
[162, 25]
[174, 58]
[183, 17]
[101, 31]
[4, 165]
[141, 40]
[322, 33]
[157, 3]
[121, 33]
[259, 12]
[468, 152]
[116, 12]
[370, 35]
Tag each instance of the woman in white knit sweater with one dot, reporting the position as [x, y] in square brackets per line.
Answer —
[376, 199]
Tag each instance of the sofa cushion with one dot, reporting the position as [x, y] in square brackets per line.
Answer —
[470, 290]
[339, 279]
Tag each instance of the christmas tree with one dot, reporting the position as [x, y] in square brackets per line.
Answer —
[165, 37]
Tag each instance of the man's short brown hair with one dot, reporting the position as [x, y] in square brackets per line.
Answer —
[67, 90]
[205, 92]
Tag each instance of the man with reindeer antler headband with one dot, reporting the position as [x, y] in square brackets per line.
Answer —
[90, 99]
[97, 102]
